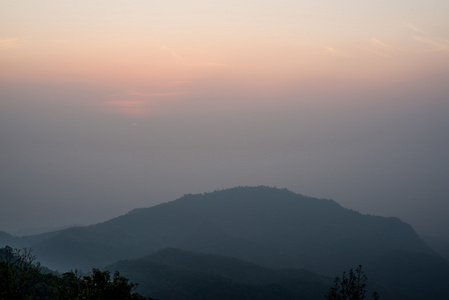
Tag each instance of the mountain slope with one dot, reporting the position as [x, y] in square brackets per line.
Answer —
[298, 231]
[268, 226]
[178, 274]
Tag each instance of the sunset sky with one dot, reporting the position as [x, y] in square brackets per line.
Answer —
[106, 106]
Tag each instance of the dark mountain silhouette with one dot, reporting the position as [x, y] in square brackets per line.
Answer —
[269, 226]
[178, 274]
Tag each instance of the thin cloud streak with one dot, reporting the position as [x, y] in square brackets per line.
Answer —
[375, 51]
[135, 108]
[166, 94]
[193, 61]
[136, 104]
[376, 42]
[414, 28]
[336, 52]
[439, 44]
[380, 48]
[10, 43]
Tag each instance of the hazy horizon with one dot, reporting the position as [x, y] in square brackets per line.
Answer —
[114, 105]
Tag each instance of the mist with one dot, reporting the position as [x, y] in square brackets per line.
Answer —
[66, 159]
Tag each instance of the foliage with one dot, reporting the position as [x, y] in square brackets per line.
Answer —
[21, 278]
[350, 288]
[18, 273]
[98, 285]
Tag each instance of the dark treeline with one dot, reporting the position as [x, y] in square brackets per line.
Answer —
[22, 278]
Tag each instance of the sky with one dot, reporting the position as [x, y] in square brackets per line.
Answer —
[106, 106]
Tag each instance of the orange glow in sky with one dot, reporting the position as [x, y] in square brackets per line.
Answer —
[173, 47]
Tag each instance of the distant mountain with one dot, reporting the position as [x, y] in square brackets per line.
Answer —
[177, 274]
[27, 231]
[268, 226]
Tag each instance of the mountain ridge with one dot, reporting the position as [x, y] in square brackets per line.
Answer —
[268, 226]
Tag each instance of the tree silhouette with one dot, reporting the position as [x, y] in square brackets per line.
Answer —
[18, 273]
[22, 278]
[97, 286]
[352, 287]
